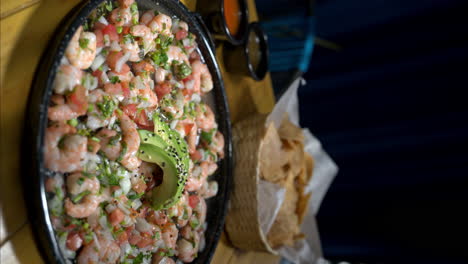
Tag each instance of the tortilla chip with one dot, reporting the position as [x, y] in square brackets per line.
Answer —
[302, 206]
[271, 156]
[309, 165]
[289, 131]
[294, 154]
[286, 227]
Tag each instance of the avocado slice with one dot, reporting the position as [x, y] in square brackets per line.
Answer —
[170, 190]
[165, 147]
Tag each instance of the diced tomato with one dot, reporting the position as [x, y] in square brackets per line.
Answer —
[134, 239]
[112, 59]
[125, 30]
[143, 211]
[98, 74]
[113, 88]
[122, 238]
[125, 89]
[111, 31]
[99, 26]
[78, 100]
[196, 155]
[194, 200]
[116, 216]
[188, 128]
[162, 89]
[139, 187]
[194, 56]
[143, 66]
[144, 242]
[140, 117]
[74, 241]
[130, 110]
[99, 38]
[93, 146]
[181, 34]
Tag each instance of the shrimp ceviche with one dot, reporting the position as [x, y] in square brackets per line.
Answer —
[130, 144]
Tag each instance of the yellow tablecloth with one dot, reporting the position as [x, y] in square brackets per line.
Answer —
[26, 27]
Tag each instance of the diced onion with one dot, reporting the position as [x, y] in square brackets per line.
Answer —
[103, 20]
[114, 46]
[142, 225]
[125, 184]
[106, 40]
[123, 208]
[96, 242]
[104, 77]
[98, 61]
[121, 61]
[110, 207]
[174, 124]
[196, 98]
[136, 204]
[63, 246]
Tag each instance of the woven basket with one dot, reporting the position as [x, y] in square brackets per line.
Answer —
[242, 222]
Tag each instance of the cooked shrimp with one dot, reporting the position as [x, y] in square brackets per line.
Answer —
[132, 48]
[176, 54]
[75, 106]
[85, 208]
[202, 77]
[121, 17]
[101, 251]
[199, 214]
[209, 189]
[160, 75]
[199, 175]
[160, 24]
[187, 247]
[181, 210]
[158, 259]
[217, 144]
[126, 3]
[68, 76]
[169, 235]
[145, 36]
[78, 183]
[205, 118]
[188, 128]
[132, 140]
[157, 217]
[110, 143]
[81, 50]
[64, 150]
[143, 67]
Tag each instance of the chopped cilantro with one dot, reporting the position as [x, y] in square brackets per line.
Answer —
[208, 136]
[182, 70]
[73, 122]
[84, 43]
[80, 181]
[123, 152]
[107, 106]
[134, 7]
[194, 223]
[115, 79]
[80, 196]
[61, 143]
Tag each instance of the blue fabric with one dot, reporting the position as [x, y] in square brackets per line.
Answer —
[392, 110]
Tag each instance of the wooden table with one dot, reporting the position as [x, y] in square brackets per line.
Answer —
[26, 27]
